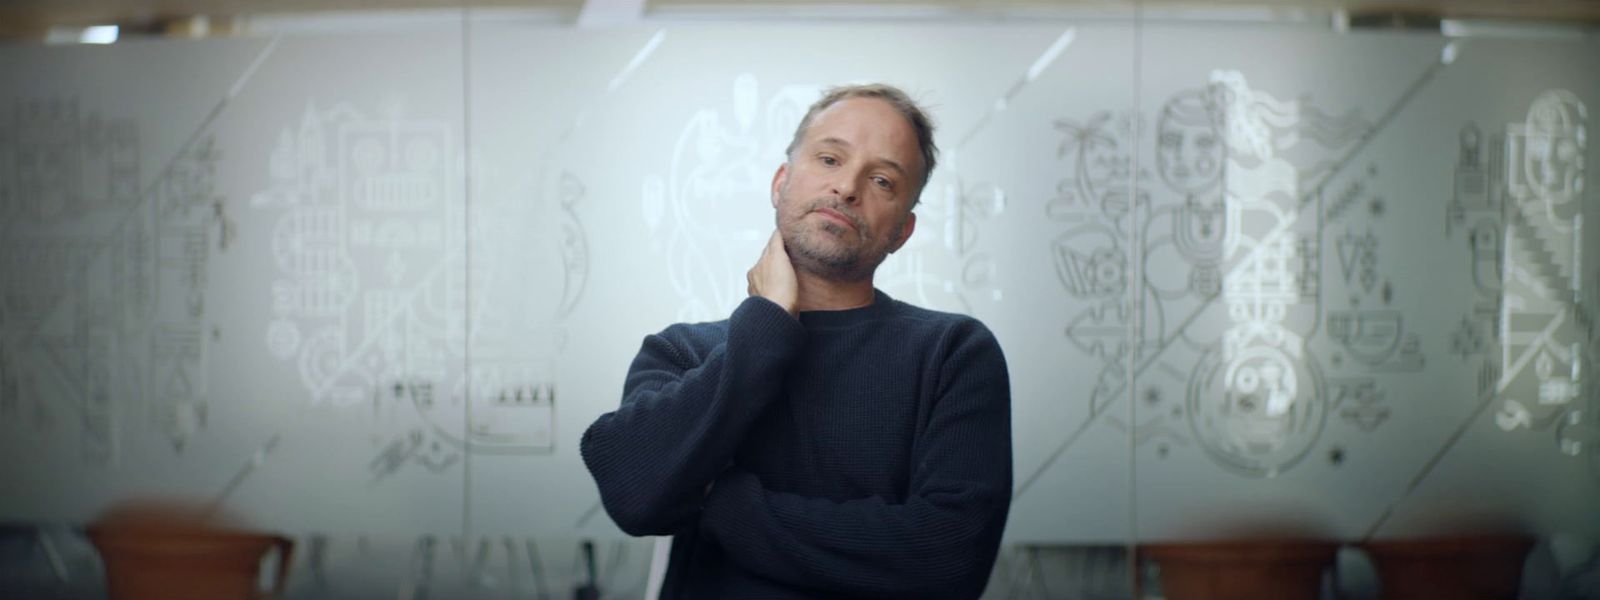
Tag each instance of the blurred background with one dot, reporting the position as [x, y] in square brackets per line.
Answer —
[359, 273]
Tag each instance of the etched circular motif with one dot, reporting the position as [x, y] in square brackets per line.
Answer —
[1259, 412]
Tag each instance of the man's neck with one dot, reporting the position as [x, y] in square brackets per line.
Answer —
[817, 293]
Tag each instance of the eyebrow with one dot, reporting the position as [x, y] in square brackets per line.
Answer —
[846, 145]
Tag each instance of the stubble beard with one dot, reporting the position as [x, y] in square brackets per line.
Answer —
[837, 259]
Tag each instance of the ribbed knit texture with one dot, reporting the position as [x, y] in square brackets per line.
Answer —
[857, 453]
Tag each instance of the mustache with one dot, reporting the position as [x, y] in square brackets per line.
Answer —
[838, 207]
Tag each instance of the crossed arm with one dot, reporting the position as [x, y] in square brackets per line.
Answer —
[688, 401]
[683, 417]
[685, 409]
[939, 543]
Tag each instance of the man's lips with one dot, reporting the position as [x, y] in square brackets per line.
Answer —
[837, 216]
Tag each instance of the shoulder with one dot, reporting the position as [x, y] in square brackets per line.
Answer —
[682, 344]
[706, 329]
[961, 344]
[959, 328]
[695, 335]
[963, 351]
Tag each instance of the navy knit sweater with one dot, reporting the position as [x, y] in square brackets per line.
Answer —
[855, 453]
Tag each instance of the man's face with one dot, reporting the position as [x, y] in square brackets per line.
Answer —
[844, 198]
[1188, 150]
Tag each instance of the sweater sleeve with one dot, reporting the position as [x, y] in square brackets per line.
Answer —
[939, 543]
[684, 412]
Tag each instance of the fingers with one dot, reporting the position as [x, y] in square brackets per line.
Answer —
[776, 240]
[774, 247]
[773, 275]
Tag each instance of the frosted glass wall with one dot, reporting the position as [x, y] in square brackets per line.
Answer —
[1249, 278]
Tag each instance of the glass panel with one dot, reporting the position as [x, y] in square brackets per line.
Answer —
[350, 163]
[1369, 254]
[234, 278]
[621, 182]
[1253, 280]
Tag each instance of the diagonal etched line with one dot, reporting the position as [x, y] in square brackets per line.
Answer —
[1035, 69]
[149, 191]
[1487, 398]
[1372, 132]
[407, 300]
[1113, 394]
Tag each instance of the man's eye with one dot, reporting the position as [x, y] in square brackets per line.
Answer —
[829, 160]
[883, 182]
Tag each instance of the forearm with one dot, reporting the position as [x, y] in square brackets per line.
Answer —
[937, 544]
[678, 427]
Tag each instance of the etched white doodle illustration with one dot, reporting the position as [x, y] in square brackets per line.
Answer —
[949, 268]
[371, 298]
[711, 210]
[103, 307]
[1536, 233]
[1207, 273]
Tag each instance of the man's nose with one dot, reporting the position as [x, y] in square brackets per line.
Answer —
[845, 187]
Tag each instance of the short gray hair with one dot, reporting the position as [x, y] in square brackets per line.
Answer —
[920, 123]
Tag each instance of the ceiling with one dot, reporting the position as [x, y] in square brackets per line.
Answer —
[25, 19]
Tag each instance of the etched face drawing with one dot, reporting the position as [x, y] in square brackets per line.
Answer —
[1553, 163]
[1189, 145]
[1551, 145]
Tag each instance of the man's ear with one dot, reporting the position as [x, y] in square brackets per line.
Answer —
[779, 179]
[905, 232]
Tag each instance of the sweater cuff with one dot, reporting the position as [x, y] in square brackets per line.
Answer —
[763, 319]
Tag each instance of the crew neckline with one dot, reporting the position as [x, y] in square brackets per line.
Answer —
[848, 316]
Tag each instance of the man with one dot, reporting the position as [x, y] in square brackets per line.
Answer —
[825, 441]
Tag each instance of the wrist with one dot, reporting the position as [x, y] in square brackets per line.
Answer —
[787, 304]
